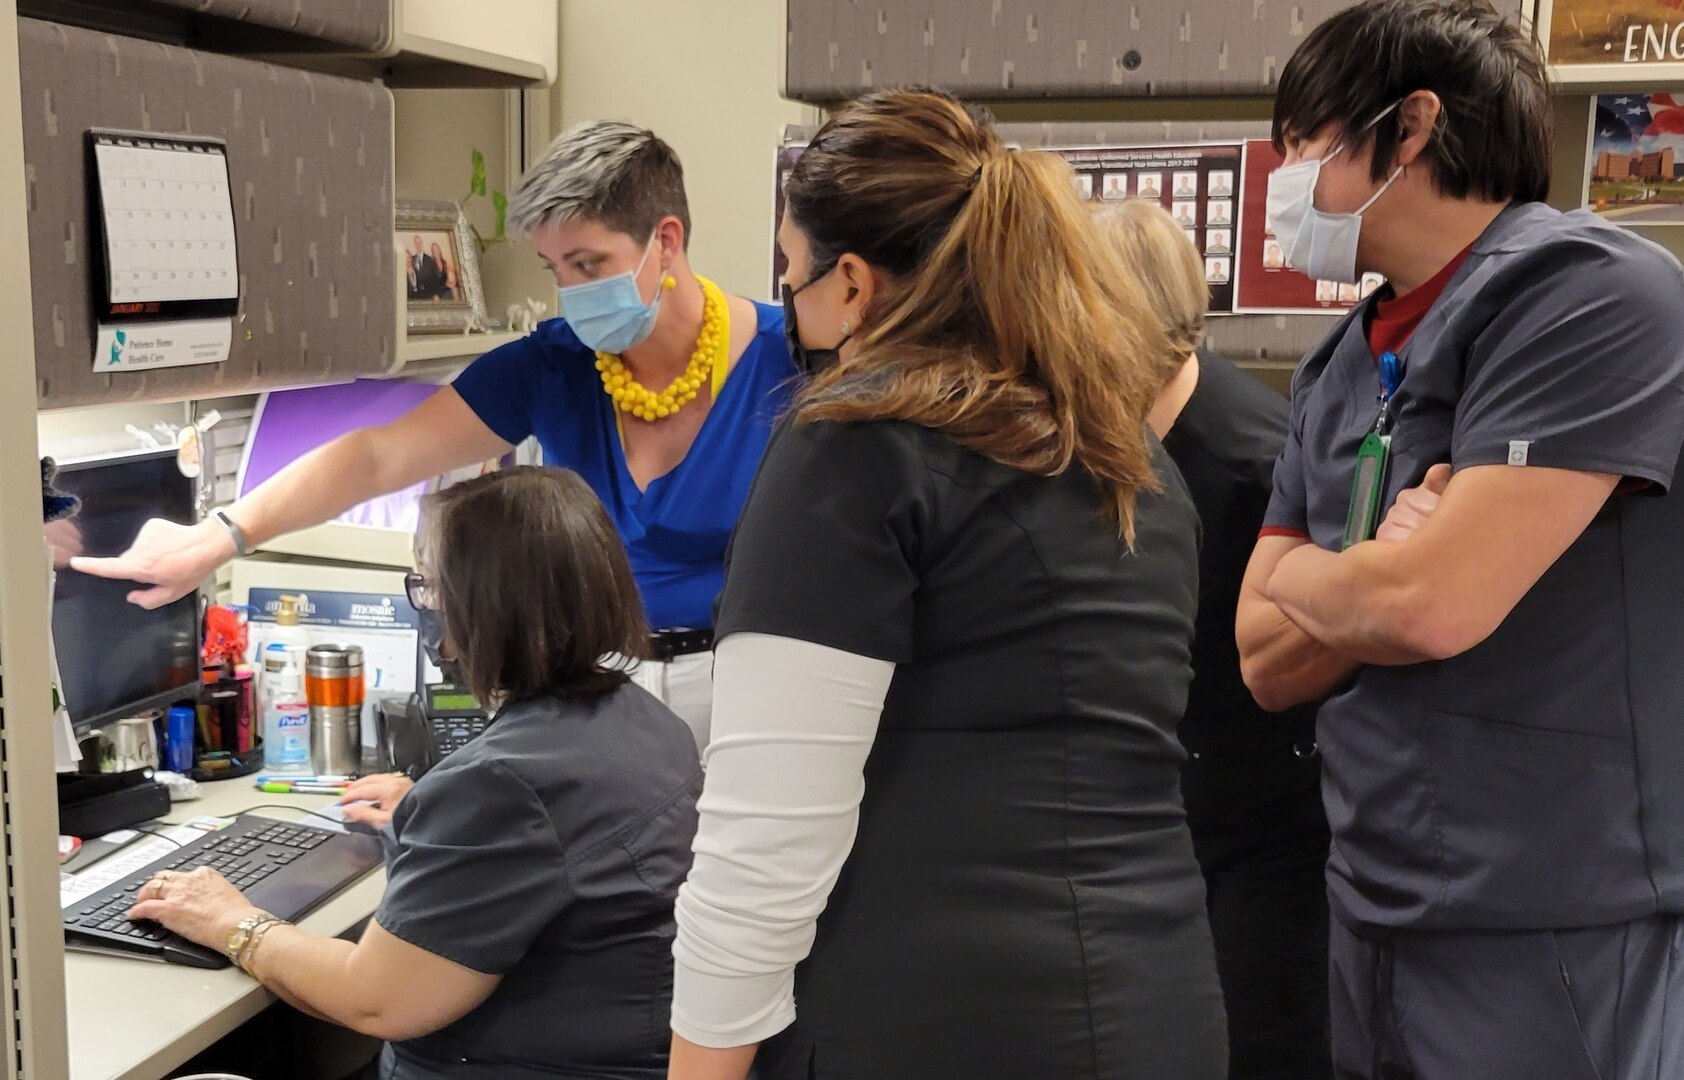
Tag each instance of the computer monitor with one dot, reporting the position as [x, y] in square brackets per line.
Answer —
[116, 659]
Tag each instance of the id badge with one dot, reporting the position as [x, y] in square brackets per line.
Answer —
[1363, 517]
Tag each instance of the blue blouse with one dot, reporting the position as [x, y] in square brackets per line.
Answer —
[547, 385]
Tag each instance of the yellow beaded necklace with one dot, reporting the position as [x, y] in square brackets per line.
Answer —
[712, 353]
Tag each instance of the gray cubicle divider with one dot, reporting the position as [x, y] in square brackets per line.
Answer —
[1002, 49]
[365, 25]
[310, 167]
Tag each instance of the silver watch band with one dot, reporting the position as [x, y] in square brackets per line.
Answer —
[237, 534]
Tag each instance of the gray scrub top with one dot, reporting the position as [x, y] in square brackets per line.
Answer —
[1535, 780]
[549, 851]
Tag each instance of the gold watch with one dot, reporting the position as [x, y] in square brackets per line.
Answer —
[240, 936]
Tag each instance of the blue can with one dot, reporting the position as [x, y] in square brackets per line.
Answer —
[178, 738]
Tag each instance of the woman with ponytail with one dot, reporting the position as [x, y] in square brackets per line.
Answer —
[941, 815]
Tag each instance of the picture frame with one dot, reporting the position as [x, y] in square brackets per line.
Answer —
[443, 291]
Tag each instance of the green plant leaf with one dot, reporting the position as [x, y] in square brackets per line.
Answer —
[477, 185]
[500, 204]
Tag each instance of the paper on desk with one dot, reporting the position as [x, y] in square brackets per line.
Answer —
[125, 861]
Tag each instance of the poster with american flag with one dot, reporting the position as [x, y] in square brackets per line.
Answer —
[1634, 170]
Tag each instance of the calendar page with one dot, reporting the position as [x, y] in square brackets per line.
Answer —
[167, 218]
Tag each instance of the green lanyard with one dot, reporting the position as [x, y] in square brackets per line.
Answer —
[1368, 486]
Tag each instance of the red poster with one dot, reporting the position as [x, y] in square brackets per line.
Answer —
[1266, 284]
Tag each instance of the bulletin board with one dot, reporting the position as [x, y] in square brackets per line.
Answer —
[1217, 191]
[1196, 184]
[1267, 284]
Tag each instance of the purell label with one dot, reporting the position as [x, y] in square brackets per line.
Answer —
[292, 718]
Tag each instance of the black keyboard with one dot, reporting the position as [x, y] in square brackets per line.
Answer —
[453, 733]
[287, 870]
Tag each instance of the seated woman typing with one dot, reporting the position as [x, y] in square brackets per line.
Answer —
[527, 924]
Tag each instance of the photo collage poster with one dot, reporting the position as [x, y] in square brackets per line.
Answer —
[1218, 192]
[785, 162]
[1198, 185]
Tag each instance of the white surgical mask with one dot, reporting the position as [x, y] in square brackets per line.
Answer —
[1316, 243]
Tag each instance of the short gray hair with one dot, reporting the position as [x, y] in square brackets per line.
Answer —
[616, 173]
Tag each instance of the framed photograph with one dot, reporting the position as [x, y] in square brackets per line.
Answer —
[437, 254]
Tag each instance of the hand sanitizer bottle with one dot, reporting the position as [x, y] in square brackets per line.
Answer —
[286, 724]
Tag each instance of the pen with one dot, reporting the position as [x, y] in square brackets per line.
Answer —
[299, 778]
[275, 787]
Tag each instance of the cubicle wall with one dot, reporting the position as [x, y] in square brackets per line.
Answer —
[310, 168]
[997, 49]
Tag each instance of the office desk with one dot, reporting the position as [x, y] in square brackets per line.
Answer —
[137, 1019]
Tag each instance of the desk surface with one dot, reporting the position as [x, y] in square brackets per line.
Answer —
[138, 1020]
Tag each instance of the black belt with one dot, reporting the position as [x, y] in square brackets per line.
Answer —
[666, 644]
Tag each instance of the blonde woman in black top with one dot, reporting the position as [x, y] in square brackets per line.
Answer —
[1252, 781]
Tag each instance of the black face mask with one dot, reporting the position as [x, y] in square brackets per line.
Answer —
[807, 361]
[432, 639]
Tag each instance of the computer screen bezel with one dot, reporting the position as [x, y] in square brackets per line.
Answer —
[183, 691]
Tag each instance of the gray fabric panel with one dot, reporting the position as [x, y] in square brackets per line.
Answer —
[1048, 48]
[310, 164]
[365, 24]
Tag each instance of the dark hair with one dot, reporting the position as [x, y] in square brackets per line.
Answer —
[1496, 127]
[533, 583]
[1007, 323]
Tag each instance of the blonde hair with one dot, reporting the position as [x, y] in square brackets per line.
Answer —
[1007, 324]
[1155, 248]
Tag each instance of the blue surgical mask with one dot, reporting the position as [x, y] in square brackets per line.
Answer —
[609, 315]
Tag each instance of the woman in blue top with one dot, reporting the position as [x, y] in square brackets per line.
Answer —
[657, 388]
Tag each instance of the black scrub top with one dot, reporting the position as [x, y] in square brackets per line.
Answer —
[1225, 443]
[549, 851]
[1021, 898]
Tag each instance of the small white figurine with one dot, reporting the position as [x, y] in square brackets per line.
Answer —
[524, 317]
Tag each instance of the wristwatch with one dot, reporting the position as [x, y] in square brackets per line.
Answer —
[240, 936]
[237, 534]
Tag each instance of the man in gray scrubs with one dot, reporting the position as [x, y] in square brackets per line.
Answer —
[1473, 545]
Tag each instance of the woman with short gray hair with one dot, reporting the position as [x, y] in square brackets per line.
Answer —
[655, 386]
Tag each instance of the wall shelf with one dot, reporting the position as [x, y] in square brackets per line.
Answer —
[428, 62]
[426, 348]
[363, 544]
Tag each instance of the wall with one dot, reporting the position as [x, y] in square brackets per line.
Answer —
[705, 75]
